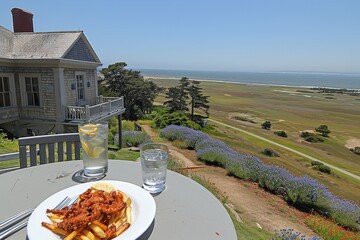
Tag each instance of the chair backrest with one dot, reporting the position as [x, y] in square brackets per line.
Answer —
[45, 147]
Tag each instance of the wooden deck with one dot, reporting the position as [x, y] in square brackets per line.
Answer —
[106, 108]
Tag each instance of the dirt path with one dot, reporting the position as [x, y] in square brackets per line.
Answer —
[252, 204]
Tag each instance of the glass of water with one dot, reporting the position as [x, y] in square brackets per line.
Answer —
[94, 144]
[154, 159]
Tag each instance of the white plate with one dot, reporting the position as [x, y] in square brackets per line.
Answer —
[143, 210]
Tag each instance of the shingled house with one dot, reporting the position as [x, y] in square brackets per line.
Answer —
[48, 80]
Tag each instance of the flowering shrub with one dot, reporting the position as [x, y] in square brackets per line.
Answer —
[289, 234]
[215, 155]
[246, 166]
[273, 179]
[307, 192]
[133, 138]
[328, 229]
[299, 191]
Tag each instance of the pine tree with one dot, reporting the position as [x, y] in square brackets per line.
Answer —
[197, 99]
[183, 94]
[173, 94]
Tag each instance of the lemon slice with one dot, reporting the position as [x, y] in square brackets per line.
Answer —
[106, 187]
[91, 132]
[96, 152]
[85, 147]
[91, 126]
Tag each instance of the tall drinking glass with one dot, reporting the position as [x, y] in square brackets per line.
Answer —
[94, 143]
[154, 158]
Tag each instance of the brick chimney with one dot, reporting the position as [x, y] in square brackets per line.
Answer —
[22, 20]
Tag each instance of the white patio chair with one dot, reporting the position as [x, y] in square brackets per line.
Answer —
[44, 146]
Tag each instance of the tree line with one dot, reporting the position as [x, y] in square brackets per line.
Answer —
[187, 93]
[139, 94]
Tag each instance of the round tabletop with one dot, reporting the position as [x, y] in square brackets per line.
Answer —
[185, 210]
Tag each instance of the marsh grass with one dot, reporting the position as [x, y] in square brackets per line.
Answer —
[292, 113]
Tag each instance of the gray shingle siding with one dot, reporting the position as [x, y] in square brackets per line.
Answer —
[80, 52]
[47, 108]
[90, 94]
[6, 43]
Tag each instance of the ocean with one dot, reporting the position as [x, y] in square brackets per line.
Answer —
[300, 79]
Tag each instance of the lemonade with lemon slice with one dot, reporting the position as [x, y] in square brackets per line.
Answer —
[94, 143]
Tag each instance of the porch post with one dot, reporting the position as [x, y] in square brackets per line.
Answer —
[120, 130]
[87, 113]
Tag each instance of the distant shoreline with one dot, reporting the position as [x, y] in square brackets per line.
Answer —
[282, 79]
[147, 77]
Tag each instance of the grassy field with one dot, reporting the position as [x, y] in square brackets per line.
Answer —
[292, 110]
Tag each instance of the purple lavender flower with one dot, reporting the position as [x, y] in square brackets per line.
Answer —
[301, 191]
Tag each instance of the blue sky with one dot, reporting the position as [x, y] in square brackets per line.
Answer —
[252, 35]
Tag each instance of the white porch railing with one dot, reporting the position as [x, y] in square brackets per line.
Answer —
[106, 108]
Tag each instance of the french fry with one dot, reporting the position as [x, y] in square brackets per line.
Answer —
[114, 217]
[128, 214]
[89, 235]
[128, 202]
[100, 224]
[122, 229]
[72, 235]
[119, 222]
[124, 196]
[55, 217]
[83, 237]
[107, 226]
[55, 229]
[97, 230]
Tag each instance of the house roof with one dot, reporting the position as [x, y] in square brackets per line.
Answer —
[45, 45]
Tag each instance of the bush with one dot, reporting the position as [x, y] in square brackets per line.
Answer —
[134, 138]
[323, 130]
[356, 150]
[266, 125]
[273, 179]
[317, 139]
[176, 118]
[113, 128]
[311, 137]
[271, 152]
[303, 192]
[289, 234]
[7, 145]
[180, 144]
[321, 167]
[156, 111]
[281, 134]
[306, 134]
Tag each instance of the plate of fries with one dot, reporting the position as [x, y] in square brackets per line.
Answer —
[103, 210]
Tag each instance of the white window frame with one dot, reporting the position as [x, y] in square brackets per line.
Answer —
[24, 99]
[82, 100]
[12, 91]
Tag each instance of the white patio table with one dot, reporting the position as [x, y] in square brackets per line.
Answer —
[184, 211]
